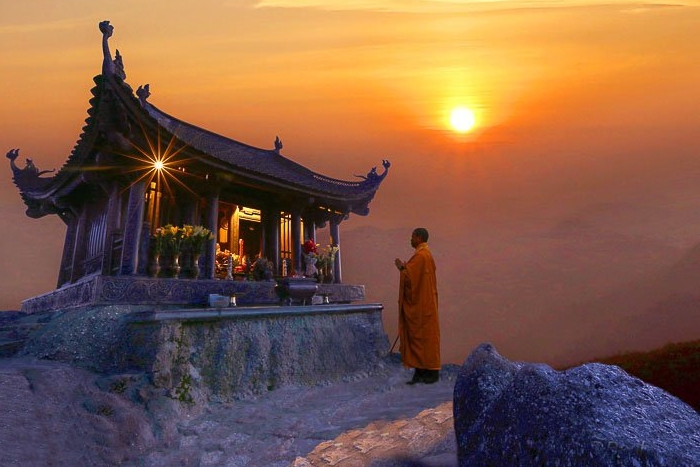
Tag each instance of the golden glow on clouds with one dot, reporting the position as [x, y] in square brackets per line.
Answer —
[466, 6]
[255, 70]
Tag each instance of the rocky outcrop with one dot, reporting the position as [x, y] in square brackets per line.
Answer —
[55, 414]
[514, 414]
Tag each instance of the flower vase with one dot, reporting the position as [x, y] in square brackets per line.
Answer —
[176, 266]
[154, 266]
[310, 263]
[328, 277]
[170, 266]
[194, 271]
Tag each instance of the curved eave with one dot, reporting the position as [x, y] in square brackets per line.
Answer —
[264, 163]
[41, 194]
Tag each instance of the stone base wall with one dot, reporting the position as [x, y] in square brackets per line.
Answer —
[140, 290]
[197, 355]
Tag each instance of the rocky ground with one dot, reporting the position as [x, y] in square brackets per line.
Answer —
[52, 414]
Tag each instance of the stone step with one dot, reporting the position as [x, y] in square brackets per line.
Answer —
[18, 330]
[9, 348]
[15, 329]
[7, 334]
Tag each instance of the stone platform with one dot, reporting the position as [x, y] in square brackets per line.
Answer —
[202, 354]
[159, 292]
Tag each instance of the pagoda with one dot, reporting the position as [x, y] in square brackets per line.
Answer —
[136, 169]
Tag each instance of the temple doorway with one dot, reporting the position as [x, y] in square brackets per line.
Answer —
[240, 231]
[249, 236]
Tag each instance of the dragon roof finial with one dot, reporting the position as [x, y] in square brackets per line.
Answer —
[373, 176]
[107, 63]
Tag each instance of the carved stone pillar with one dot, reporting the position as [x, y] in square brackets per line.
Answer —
[310, 230]
[270, 245]
[296, 241]
[66, 270]
[264, 233]
[78, 255]
[189, 211]
[133, 224]
[274, 241]
[212, 220]
[335, 240]
[112, 223]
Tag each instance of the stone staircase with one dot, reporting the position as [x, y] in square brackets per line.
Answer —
[16, 327]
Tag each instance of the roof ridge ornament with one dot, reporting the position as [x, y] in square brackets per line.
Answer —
[278, 145]
[29, 177]
[372, 176]
[143, 92]
[107, 30]
[119, 66]
[30, 168]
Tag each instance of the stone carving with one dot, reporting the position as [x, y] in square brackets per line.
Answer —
[119, 65]
[514, 414]
[278, 145]
[141, 290]
[107, 64]
[30, 169]
[28, 177]
[143, 92]
[374, 177]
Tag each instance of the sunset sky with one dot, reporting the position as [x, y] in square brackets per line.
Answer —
[575, 103]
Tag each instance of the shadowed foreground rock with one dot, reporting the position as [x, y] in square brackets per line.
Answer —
[514, 414]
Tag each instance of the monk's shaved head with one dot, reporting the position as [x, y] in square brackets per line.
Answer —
[422, 233]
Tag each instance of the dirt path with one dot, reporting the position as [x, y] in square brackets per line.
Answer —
[53, 414]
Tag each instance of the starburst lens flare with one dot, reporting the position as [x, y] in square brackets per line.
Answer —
[156, 162]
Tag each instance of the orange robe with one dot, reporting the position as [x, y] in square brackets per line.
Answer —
[419, 329]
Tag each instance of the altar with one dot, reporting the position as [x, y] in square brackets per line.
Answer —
[182, 293]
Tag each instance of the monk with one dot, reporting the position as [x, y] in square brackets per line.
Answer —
[419, 329]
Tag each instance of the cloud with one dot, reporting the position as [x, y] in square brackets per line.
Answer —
[54, 25]
[463, 6]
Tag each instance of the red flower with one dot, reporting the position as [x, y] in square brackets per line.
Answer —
[309, 247]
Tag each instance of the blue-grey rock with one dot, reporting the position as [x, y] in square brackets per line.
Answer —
[514, 414]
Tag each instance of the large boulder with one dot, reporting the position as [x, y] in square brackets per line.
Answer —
[514, 414]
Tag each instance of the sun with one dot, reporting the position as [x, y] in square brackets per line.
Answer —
[462, 119]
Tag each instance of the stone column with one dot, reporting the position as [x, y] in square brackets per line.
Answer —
[296, 242]
[335, 240]
[66, 270]
[78, 254]
[310, 230]
[264, 232]
[212, 219]
[133, 225]
[189, 210]
[270, 234]
[112, 223]
[274, 240]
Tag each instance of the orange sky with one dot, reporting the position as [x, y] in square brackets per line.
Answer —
[575, 101]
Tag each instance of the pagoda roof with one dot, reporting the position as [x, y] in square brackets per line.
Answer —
[266, 162]
[114, 117]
